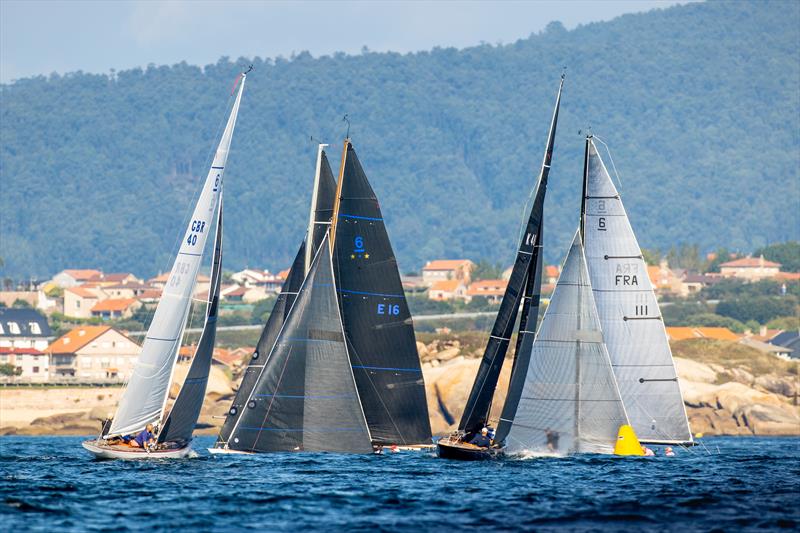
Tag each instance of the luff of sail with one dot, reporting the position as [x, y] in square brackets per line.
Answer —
[306, 397]
[378, 326]
[479, 402]
[322, 200]
[179, 424]
[570, 402]
[531, 296]
[144, 398]
[629, 313]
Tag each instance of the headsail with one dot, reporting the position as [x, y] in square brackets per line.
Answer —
[570, 402]
[629, 313]
[322, 200]
[377, 321]
[144, 398]
[479, 402]
[180, 422]
[306, 398]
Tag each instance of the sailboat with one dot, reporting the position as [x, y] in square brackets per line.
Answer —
[630, 317]
[523, 291]
[343, 374]
[144, 400]
[570, 402]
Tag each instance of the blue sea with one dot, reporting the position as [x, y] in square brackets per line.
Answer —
[729, 484]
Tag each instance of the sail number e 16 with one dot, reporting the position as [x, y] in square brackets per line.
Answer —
[389, 309]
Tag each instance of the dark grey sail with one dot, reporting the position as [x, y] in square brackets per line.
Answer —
[180, 422]
[377, 321]
[529, 315]
[322, 216]
[526, 266]
[306, 397]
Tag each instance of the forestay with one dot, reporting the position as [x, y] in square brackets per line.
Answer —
[629, 313]
[570, 402]
[306, 397]
[144, 398]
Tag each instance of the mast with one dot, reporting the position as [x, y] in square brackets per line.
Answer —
[476, 411]
[585, 187]
[338, 198]
[312, 212]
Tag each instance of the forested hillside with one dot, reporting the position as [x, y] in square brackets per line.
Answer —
[698, 103]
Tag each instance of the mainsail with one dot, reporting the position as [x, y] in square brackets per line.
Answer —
[306, 397]
[322, 200]
[144, 399]
[377, 321]
[524, 283]
[180, 422]
[570, 402]
[629, 313]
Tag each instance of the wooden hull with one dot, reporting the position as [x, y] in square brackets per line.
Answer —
[461, 451]
[106, 452]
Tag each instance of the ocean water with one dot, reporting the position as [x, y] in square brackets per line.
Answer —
[731, 484]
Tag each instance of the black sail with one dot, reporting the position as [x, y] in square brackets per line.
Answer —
[322, 214]
[526, 267]
[306, 397]
[377, 321]
[180, 422]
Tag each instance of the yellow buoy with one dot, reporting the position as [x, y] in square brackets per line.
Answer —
[627, 442]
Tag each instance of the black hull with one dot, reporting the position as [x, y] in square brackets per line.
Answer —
[465, 452]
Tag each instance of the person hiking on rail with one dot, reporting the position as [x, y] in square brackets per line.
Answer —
[482, 440]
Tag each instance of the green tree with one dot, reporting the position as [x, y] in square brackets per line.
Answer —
[7, 369]
[785, 253]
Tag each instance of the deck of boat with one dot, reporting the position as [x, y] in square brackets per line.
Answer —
[106, 451]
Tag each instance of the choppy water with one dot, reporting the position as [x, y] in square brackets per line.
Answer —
[51, 483]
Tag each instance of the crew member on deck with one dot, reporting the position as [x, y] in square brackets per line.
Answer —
[144, 439]
[552, 439]
[482, 440]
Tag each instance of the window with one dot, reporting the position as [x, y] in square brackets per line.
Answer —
[35, 370]
[13, 327]
[94, 345]
[78, 304]
[105, 365]
[86, 362]
[35, 329]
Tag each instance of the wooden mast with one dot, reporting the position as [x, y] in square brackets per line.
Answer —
[337, 200]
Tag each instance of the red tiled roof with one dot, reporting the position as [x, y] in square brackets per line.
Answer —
[82, 292]
[446, 285]
[551, 271]
[76, 339]
[749, 262]
[446, 264]
[681, 333]
[488, 287]
[83, 275]
[20, 351]
[113, 304]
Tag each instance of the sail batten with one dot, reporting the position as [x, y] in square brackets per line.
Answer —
[629, 312]
[144, 397]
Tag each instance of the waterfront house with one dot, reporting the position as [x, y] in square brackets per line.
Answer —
[75, 277]
[113, 308]
[93, 353]
[23, 328]
[31, 364]
[750, 268]
[448, 269]
[449, 289]
[491, 289]
[79, 301]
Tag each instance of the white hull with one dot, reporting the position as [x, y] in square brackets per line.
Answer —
[126, 453]
[223, 451]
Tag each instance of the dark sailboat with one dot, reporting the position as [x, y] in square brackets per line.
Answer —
[320, 216]
[524, 289]
[375, 314]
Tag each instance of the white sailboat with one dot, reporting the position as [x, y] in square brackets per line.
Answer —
[570, 402]
[144, 400]
[629, 314]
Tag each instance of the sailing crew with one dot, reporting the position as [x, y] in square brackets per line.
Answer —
[668, 452]
[648, 452]
[552, 439]
[481, 440]
[144, 439]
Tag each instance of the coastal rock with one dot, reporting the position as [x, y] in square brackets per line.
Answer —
[699, 394]
[693, 371]
[769, 419]
[448, 353]
[422, 350]
[788, 387]
[732, 396]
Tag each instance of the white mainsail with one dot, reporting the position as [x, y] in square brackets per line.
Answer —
[629, 314]
[570, 402]
[144, 398]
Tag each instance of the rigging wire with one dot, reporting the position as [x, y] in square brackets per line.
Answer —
[610, 158]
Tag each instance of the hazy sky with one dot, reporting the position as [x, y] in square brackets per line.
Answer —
[44, 36]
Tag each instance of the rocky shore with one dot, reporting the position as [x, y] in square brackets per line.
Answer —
[728, 389]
